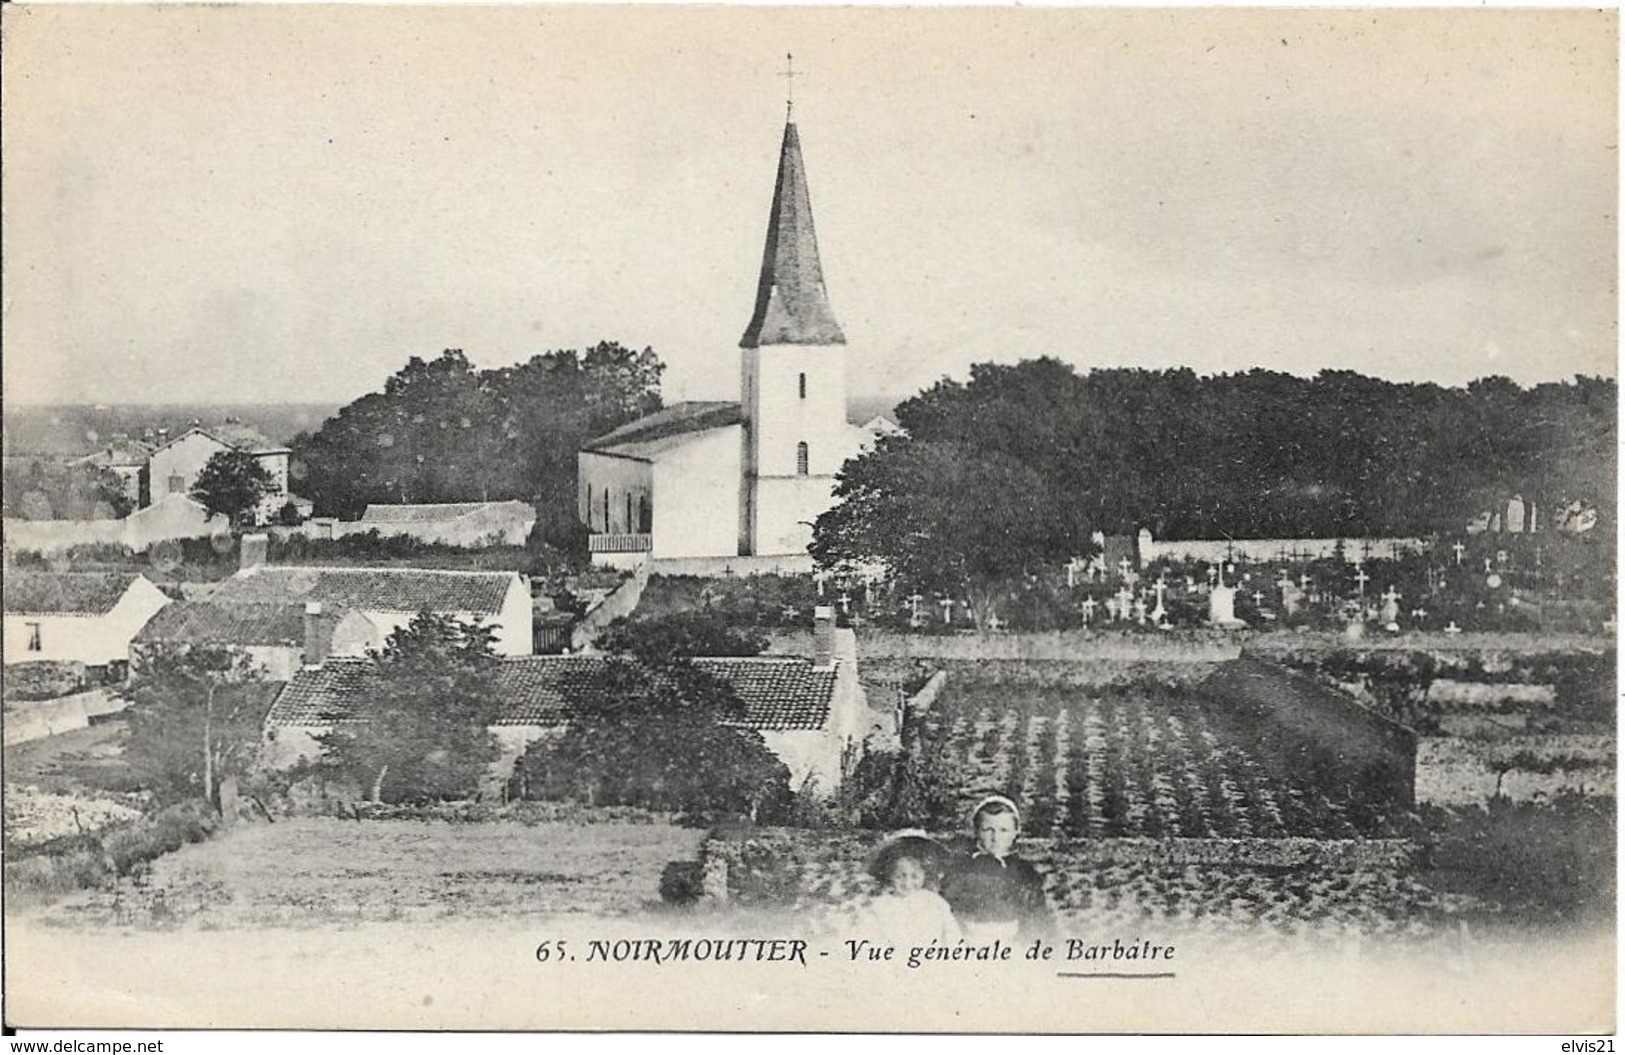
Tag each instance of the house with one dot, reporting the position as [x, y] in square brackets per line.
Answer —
[75, 617]
[388, 598]
[127, 459]
[810, 711]
[278, 639]
[746, 477]
[174, 466]
[454, 523]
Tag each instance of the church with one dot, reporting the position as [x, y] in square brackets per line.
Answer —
[746, 478]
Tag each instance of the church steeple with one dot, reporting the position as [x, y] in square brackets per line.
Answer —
[792, 306]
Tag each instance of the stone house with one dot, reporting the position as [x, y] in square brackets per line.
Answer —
[278, 639]
[810, 711]
[174, 467]
[75, 617]
[453, 523]
[388, 598]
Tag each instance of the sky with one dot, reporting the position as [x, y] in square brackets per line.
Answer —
[249, 204]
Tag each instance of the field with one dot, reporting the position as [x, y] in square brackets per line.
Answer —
[325, 871]
[1113, 761]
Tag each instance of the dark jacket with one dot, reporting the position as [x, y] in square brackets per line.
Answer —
[982, 889]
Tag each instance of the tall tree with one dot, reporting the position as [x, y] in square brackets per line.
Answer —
[421, 731]
[41, 489]
[232, 483]
[196, 718]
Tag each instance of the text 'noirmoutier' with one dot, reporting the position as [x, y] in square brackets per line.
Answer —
[659, 951]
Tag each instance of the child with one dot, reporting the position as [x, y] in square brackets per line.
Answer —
[994, 893]
[907, 911]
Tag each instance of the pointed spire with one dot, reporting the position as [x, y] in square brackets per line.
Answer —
[792, 306]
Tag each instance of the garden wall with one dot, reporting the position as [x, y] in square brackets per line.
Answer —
[1304, 732]
[797, 866]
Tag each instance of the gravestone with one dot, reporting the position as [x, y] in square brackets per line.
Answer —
[1221, 608]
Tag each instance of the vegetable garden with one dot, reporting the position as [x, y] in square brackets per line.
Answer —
[1148, 760]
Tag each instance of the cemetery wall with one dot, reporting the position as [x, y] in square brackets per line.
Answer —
[1215, 551]
[617, 603]
[1071, 646]
[1302, 731]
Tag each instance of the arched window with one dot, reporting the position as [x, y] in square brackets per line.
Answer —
[802, 384]
[801, 458]
[589, 505]
[606, 509]
[631, 525]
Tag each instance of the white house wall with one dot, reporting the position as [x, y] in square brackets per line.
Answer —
[620, 477]
[94, 640]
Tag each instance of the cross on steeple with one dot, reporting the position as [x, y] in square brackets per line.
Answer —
[789, 76]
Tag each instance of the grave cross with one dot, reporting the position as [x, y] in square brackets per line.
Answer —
[1392, 596]
[1452, 628]
[1258, 599]
[994, 623]
[1123, 567]
[1361, 578]
[947, 609]
[846, 603]
[1419, 614]
[1304, 581]
[1088, 607]
[1458, 549]
[914, 606]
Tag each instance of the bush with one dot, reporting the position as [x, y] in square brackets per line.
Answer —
[681, 883]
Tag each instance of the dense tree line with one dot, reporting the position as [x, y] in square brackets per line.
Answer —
[1269, 455]
[46, 489]
[443, 431]
[1019, 464]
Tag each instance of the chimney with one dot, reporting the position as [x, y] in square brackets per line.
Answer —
[252, 550]
[318, 635]
[824, 637]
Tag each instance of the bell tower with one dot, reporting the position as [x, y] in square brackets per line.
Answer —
[793, 377]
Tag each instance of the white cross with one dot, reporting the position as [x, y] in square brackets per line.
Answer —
[1452, 628]
[1486, 564]
[1458, 549]
[1361, 578]
[846, 602]
[1392, 596]
[1088, 607]
[947, 609]
[1258, 599]
[1161, 587]
[1123, 567]
[1419, 613]
[1139, 610]
[914, 605]
[1304, 580]
[994, 623]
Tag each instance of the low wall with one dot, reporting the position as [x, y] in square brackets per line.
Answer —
[1304, 732]
[786, 564]
[799, 866]
[37, 719]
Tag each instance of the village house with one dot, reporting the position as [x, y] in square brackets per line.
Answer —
[75, 617]
[388, 598]
[174, 466]
[745, 478]
[277, 639]
[810, 711]
[127, 459]
[469, 524]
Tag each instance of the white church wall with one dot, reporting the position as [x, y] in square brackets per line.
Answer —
[783, 417]
[696, 496]
[618, 477]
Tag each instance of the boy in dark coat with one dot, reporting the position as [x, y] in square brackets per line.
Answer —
[994, 893]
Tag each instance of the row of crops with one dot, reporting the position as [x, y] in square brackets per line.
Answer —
[1120, 761]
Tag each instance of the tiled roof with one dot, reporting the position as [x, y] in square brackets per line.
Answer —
[792, 306]
[678, 419]
[233, 434]
[779, 692]
[412, 514]
[123, 453]
[62, 592]
[209, 623]
[370, 589]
